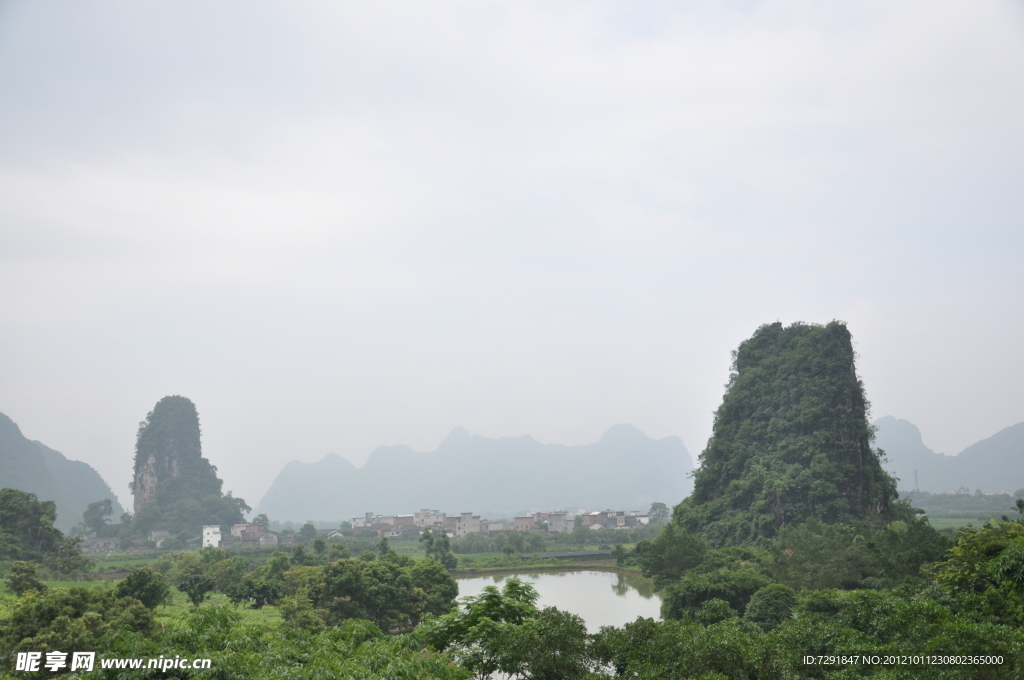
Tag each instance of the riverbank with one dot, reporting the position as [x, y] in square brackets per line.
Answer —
[601, 565]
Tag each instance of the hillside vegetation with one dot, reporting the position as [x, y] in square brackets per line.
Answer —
[791, 441]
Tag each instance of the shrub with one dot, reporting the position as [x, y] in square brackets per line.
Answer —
[770, 606]
[146, 585]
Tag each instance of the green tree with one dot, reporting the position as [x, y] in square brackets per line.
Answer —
[439, 588]
[261, 519]
[146, 585]
[320, 547]
[298, 612]
[770, 606]
[673, 552]
[477, 631]
[197, 587]
[66, 558]
[552, 644]
[889, 623]
[26, 526]
[255, 592]
[734, 586]
[352, 649]
[307, 533]
[651, 650]
[986, 566]
[95, 516]
[22, 577]
[72, 619]
[659, 513]
[438, 547]
[381, 591]
[300, 557]
[339, 551]
[714, 611]
[275, 567]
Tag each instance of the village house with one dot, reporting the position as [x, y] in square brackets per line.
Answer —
[330, 534]
[467, 523]
[158, 536]
[211, 536]
[635, 519]
[429, 518]
[91, 545]
[405, 526]
[405, 521]
[554, 522]
[372, 521]
[250, 531]
[614, 519]
[524, 524]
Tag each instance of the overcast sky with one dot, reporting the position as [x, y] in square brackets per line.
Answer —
[335, 226]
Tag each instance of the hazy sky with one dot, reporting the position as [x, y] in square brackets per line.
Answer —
[340, 225]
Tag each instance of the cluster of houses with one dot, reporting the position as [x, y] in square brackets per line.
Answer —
[461, 525]
[255, 536]
[411, 526]
[456, 526]
[242, 535]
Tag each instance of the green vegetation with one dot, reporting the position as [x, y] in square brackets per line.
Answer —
[27, 534]
[791, 442]
[976, 507]
[145, 585]
[437, 547]
[22, 577]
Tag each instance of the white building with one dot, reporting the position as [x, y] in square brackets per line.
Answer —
[211, 536]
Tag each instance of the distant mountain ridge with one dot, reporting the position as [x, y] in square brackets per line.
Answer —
[36, 468]
[500, 477]
[995, 464]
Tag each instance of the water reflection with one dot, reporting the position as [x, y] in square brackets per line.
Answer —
[643, 586]
[601, 598]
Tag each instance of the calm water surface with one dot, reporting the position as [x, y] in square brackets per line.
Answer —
[600, 598]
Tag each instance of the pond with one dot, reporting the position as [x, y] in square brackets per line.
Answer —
[600, 598]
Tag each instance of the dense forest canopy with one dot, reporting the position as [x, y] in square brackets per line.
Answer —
[791, 441]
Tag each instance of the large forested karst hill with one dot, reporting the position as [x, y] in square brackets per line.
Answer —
[175, 487]
[994, 465]
[790, 442]
[497, 477]
[36, 468]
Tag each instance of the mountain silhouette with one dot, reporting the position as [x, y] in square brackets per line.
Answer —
[625, 469]
[36, 468]
[995, 464]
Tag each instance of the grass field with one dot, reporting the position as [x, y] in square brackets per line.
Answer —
[127, 562]
[940, 523]
[179, 604]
